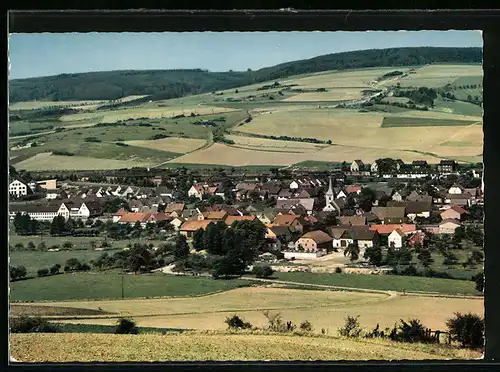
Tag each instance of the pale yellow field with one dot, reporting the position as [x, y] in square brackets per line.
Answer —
[275, 145]
[324, 309]
[46, 161]
[434, 76]
[338, 94]
[223, 154]
[348, 127]
[140, 112]
[68, 347]
[179, 145]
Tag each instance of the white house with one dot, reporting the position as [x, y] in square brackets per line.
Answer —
[196, 191]
[374, 167]
[177, 222]
[455, 190]
[396, 237]
[397, 197]
[17, 188]
[341, 194]
[294, 185]
[357, 165]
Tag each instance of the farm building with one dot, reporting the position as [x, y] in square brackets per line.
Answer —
[454, 212]
[188, 228]
[314, 241]
[17, 188]
[448, 226]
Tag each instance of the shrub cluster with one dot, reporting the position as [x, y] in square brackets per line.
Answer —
[27, 324]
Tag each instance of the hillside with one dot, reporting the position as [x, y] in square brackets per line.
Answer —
[165, 84]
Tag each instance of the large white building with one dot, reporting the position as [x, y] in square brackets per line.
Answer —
[48, 212]
[17, 188]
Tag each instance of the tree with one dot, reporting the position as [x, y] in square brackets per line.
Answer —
[43, 272]
[17, 272]
[262, 271]
[126, 326]
[382, 202]
[67, 245]
[405, 256]
[198, 239]
[181, 250]
[58, 226]
[352, 251]
[18, 222]
[425, 258]
[467, 329]
[479, 280]
[31, 246]
[392, 256]
[55, 269]
[374, 255]
[366, 198]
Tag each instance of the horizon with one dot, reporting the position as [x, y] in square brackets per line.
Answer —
[57, 53]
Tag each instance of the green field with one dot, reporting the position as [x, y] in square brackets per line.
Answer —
[95, 285]
[400, 121]
[33, 261]
[458, 107]
[384, 282]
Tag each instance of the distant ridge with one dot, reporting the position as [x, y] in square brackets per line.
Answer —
[164, 84]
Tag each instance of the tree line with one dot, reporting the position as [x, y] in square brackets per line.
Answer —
[164, 84]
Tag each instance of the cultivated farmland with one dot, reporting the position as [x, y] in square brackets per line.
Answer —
[67, 347]
[48, 161]
[179, 145]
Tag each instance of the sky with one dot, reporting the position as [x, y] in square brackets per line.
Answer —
[45, 54]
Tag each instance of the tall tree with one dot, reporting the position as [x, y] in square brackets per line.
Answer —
[352, 251]
[374, 255]
[181, 250]
[198, 239]
[425, 258]
[58, 226]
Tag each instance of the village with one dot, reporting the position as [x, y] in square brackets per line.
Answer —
[306, 219]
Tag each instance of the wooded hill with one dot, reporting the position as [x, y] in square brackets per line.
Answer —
[164, 84]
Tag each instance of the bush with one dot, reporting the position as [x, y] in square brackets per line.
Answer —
[235, 322]
[126, 326]
[351, 327]
[338, 270]
[306, 326]
[43, 272]
[17, 272]
[27, 324]
[467, 329]
[376, 332]
[412, 331]
[262, 271]
[55, 269]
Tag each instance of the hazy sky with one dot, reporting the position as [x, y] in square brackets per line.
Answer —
[51, 54]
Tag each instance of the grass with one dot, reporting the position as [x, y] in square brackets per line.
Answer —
[39, 260]
[178, 145]
[458, 107]
[95, 285]
[385, 282]
[67, 347]
[33, 310]
[394, 121]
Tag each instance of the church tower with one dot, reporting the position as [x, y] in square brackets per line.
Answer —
[330, 196]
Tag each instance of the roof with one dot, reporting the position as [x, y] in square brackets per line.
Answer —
[35, 208]
[361, 233]
[399, 232]
[389, 212]
[336, 232]
[308, 203]
[246, 186]
[359, 162]
[318, 236]
[352, 220]
[284, 219]
[279, 230]
[135, 217]
[387, 229]
[160, 216]
[230, 219]
[135, 203]
[194, 225]
[450, 220]
[413, 207]
[352, 188]
[458, 209]
[219, 215]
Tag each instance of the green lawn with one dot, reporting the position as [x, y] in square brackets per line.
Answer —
[400, 121]
[458, 107]
[33, 261]
[95, 285]
[384, 282]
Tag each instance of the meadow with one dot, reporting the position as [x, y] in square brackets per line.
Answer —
[178, 145]
[394, 122]
[70, 347]
[106, 285]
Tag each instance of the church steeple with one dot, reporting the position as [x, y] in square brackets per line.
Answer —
[330, 196]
